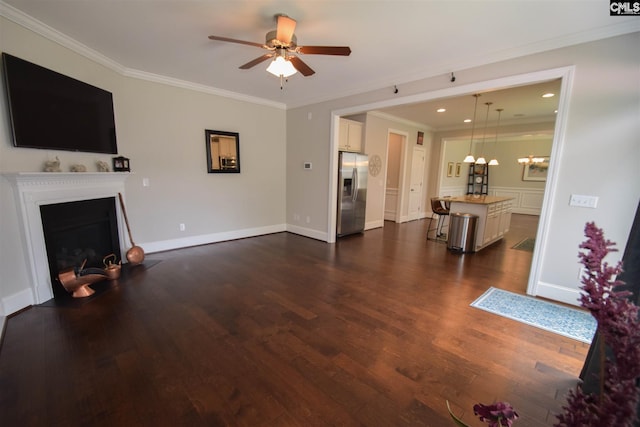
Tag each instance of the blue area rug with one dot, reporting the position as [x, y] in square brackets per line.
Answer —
[569, 322]
[526, 244]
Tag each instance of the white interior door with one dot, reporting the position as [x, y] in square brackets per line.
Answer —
[417, 183]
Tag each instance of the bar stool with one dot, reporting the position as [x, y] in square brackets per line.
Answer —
[439, 208]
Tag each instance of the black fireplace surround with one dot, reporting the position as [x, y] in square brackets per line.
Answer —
[79, 231]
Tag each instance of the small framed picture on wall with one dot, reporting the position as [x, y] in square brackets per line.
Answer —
[420, 140]
[450, 167]
[458, 168]
[121, 164]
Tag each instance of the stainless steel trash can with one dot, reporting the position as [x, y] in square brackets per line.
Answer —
[462, 232]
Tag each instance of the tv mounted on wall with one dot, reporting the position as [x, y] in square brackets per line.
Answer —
[51, 111]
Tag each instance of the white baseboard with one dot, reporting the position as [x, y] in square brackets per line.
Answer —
[374, 224]
[558, 293]
[307, 232]
[166, 245]
[16, 302]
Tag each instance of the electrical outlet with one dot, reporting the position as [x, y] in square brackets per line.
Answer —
[182, 227]
[583, 201]
[145, 182]
[581, 273]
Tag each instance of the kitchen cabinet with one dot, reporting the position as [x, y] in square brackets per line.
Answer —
[494, 216]
[351, 133]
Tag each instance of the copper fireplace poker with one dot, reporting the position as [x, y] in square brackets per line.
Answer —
[135, 255]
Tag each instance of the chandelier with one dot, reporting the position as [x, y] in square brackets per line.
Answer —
[530, 160]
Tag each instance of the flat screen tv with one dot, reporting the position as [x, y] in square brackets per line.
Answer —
[51, 111]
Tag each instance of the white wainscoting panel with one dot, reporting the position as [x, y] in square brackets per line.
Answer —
[525, 201]
[451, 192]
[390, 203]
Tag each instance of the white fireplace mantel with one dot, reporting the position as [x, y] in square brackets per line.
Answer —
[34, 189]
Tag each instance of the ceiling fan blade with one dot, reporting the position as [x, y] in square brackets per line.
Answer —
[227, 39]
[284, 29]
[299, 65]
[324, 50]
[256, 61]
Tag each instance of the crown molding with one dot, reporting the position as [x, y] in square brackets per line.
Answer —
[17, 16]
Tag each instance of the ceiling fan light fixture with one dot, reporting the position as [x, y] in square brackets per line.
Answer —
[281, 67]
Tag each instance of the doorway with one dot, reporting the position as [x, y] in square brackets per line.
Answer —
[393, 184]
[565, 74]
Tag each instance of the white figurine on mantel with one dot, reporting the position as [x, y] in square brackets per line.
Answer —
[78, 168]
[52, 165]
[102, 166]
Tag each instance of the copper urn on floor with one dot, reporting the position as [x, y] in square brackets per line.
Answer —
[77, 280]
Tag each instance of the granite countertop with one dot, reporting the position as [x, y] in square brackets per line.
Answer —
[477, 199]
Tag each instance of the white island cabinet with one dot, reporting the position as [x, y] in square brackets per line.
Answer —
[494, 216]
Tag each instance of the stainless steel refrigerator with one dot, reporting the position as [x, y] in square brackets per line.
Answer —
[352, 192]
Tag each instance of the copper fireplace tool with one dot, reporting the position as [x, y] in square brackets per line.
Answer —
[135, 255]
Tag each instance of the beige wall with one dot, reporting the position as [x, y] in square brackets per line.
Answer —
[378, 129]
[160, 127]
[507, 151]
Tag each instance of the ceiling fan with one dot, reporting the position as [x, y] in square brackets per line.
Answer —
[282, 43]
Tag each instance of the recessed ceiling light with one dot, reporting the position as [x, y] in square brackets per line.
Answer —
[548, 95]
[467, 120]
[441, 110]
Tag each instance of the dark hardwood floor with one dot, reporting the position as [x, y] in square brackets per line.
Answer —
[282, 330]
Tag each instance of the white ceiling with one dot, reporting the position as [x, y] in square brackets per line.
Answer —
[520, 105]
[392, 41]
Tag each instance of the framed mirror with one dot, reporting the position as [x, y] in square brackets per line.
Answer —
[223, 151]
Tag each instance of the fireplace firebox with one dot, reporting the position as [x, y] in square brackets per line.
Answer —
[79, 233]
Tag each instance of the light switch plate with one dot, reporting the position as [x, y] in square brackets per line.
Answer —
[583, 201]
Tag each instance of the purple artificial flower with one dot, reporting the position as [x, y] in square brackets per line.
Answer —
[616, 402]
[496, 415]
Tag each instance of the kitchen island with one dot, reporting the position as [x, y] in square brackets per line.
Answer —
[494, 216]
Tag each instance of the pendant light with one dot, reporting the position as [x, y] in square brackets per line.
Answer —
[494, 161]
[481, 160]
[470, 158]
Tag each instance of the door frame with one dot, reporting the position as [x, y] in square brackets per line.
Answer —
[566, 74]
[401, 172]
[421, 150]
